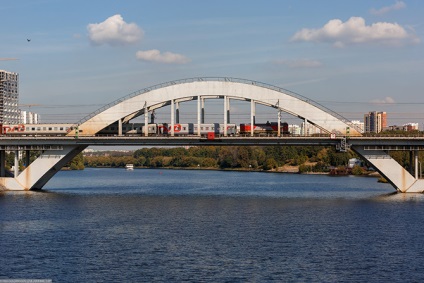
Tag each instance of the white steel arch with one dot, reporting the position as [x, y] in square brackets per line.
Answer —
[148, 99]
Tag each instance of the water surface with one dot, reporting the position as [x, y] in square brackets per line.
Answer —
[113, 225]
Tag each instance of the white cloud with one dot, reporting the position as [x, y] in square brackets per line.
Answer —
[155, 55]
[299, 63]
[384, 10]
[355, 31]
[114, 31]
[386, 100]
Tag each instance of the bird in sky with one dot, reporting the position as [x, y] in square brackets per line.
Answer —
[28, 40]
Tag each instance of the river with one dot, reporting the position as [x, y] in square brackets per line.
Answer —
[150, 225]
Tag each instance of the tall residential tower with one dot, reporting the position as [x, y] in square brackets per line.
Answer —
[375, 122]
[9, 97]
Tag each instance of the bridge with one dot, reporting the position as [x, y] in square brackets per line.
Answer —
[339, 132]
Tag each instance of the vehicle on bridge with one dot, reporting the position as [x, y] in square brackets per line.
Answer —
[268, 128]
[155, 129]
[180, 129]
[35, 129]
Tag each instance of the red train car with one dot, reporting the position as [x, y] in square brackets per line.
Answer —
[266, 128]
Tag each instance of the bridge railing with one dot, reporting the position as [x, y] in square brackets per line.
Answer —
[219, 79]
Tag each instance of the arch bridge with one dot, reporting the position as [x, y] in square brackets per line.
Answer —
[56, 152]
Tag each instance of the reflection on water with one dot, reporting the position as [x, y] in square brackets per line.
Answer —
[398, 197]
[198, 226]
[227, 183]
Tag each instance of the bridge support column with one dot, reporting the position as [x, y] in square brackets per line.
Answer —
[177, 112]
[279, 122]
[36, 175]
[198, 115]
[252, 116]
[16, 165]
[202, 118]
[50, 167]
[225, 115]
[27, 158]
[411, 162]
[2, 163]
[152, 117]
[416, 164]
[120, 127]
[172, 117]
[146, 120]
[392, 171]
[228, 110]
[278, 118]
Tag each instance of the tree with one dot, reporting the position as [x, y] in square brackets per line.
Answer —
[228, 157]
[77, 163]
[270, 164]
[305, 168]
[358, 170]
[258, 155]
[243, 159]
[338, 158]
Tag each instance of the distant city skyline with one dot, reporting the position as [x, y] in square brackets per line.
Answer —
[352, 56]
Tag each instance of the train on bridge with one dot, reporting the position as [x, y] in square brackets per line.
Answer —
[153, 129]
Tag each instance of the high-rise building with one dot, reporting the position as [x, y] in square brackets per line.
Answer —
[375, 122]
[29, 117]
[9, 97]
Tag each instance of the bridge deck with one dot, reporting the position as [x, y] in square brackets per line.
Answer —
[384, 143]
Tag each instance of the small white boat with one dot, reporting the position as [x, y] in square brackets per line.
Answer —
[129, 166]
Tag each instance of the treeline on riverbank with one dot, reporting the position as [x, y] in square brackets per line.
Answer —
[283, 158]
[268, 158]
[305, 158]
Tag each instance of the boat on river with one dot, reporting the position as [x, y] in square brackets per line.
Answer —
[129, 166]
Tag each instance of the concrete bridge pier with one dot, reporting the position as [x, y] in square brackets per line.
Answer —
[252, 116]
[120, 127]
[392, 171]
[16, 164]
[225, 115]
[173, 117]
[418, 169]
[202, 114]
[199, 111]
[39, 172]
[279, 122]
[146, 120]
[228, 110]
[177, 112]
[27, 158]
[2, 163]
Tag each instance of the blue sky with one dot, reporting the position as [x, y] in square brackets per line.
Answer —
[351, 56]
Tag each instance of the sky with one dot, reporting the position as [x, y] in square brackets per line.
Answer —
[351, 56]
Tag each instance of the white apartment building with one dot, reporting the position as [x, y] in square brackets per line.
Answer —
[29, 117]
[309, 129]
[9, 97]
[295, 130]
